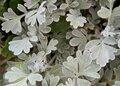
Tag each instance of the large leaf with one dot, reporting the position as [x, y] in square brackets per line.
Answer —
[18, 77]
[101, 51]
[80, 66]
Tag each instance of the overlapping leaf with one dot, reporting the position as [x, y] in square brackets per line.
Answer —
[18, 77]
[79, 66]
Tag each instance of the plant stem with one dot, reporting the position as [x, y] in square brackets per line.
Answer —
[4, 61]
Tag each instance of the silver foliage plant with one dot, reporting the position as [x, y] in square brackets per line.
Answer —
[76, 55]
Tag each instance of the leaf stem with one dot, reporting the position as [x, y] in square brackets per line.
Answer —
[110, 18]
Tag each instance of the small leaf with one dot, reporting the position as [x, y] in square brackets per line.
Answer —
[21, 8]
[33, 78]
[75, 18]
[17, 46]
[79, 39]
[31, 3]
[51, 5]
[50, 80]
[116, 11]
[63, 6]
[37, 15]
[52, 46]
[111, 2]
[117, 71]
[84, 4]
[117, 83]
[104, 12]
[76, 82]
[108, 74]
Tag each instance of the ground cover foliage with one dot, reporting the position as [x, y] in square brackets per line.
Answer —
[59, 43]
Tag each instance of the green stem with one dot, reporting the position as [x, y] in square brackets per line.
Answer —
[5, 61]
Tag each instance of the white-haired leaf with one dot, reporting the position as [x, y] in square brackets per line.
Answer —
[104, 12]
[35, 16]
[13, 23]
[21, 8]
[17, 46]
[80, 66]
[18, 77]
[75, 18]
[101, 51]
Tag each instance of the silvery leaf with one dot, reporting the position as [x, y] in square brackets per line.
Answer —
[56, 15]
[51, 46]
[50, 80]
[69, 4]
[37, 62]
[80, 66]
[116, 11]
[13, 23]
[35, 16]
[108, 31]
[76, 82]
[84, 4]
[18, 77]
[119, 43]
[111, 2]
[117, 83]
[79, 39]
[10, 14]
[63, 6]
[17, 46]
[22, 8]
[100, 51]
[30, 3]
[104, 12]
[32, 33]
[44, 28]
[75, 19]
[51, 5]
